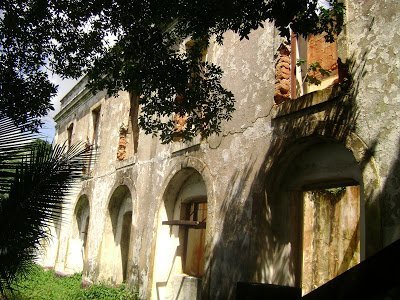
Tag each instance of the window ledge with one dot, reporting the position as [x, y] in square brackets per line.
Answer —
[188, 277]
[306, 101]
[120, 164]
[180, 148]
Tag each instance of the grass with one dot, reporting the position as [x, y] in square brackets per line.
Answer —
[45, 285]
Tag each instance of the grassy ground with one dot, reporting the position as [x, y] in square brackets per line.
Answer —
[45, 285]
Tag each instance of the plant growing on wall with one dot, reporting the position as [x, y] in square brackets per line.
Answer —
[132, 46]
[313, 69]
[34, 179]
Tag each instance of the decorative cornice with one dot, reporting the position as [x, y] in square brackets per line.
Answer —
[79, 99]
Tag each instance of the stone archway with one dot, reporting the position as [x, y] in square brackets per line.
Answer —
[321, 186]
[179, 260]
[114, 262]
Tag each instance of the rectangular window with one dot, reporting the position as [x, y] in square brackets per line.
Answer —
[194, 240]
[192, 232]
[320, 67]
[128, 142]
[133, 119]
[94, 145]
[96, 125]
[70, 131]
[200, 46]
[306, 65]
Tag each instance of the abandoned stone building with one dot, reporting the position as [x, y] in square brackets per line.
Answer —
[302, 184]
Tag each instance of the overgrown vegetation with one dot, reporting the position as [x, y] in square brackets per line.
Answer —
[41, 284]
[314, 72]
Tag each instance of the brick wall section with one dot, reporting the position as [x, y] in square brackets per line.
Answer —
[318, 50]
[282, 75]
[121, 153]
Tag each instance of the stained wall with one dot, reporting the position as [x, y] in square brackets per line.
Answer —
[250, 168]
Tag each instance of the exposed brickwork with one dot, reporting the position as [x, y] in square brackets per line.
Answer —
[318, 50]
[121, 153]
[180, 124]
[282, 75]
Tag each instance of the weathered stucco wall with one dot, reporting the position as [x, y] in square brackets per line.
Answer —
[373, 40]
[267, 153]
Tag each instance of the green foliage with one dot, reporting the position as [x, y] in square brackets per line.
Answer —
[39, 284]
[34, 180]
[336, 191]
[313, 69]
[300, 61]
[101, 291]
[72, 37]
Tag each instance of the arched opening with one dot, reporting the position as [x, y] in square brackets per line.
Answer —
[319, 189]
[116, 238]
[181, 237]
[77, 245]
[82, 215]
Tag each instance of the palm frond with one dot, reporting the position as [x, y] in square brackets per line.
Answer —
[35, 178]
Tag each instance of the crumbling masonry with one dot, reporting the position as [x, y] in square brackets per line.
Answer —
[300, 171]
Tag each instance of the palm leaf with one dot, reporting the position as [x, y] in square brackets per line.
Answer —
[35, 178]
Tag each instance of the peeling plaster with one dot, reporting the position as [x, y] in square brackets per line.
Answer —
[246, 238]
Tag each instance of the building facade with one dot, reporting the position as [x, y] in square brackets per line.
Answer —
[300, 185]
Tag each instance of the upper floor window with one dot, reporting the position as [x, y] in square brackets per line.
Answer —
[196, 48]
[133, 121]
[128, 142]
[94, 145]
[96, 126]
[305, 65]
[70, 131]
[316, 63]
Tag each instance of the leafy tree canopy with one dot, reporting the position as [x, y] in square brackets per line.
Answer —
[73, 37]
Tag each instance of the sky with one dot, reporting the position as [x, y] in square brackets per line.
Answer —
[64, 86]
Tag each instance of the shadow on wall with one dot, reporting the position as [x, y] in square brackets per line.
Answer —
[390, 199]
[257, 237]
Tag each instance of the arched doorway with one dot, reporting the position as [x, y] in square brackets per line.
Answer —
[181, 236]
[116, 238]
[318, 187]
[77, 245]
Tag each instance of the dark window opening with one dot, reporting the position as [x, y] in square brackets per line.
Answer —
[133, 119]
[96, 122]
[70, 131]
